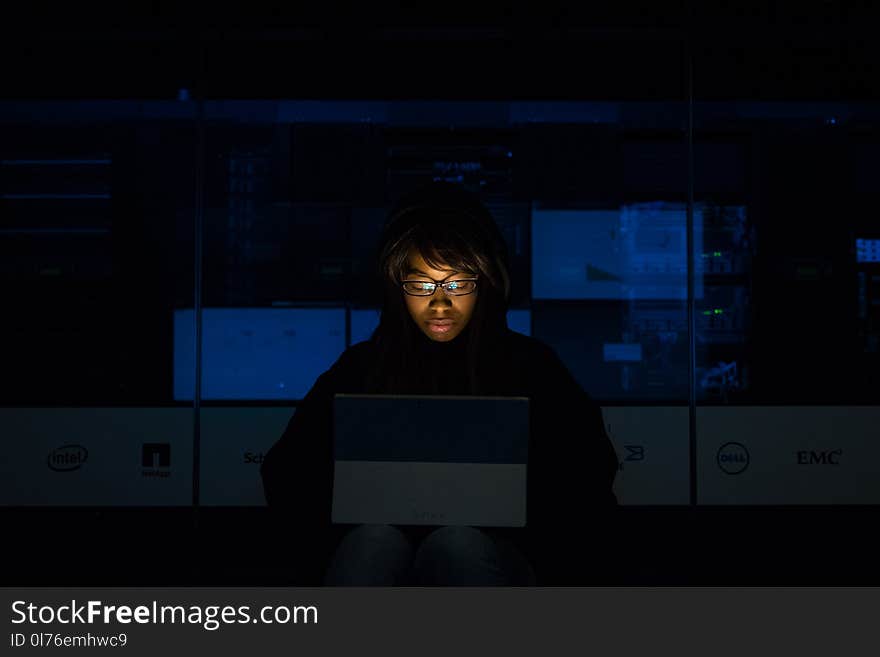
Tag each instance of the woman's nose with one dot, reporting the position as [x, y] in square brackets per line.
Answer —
[440, 297]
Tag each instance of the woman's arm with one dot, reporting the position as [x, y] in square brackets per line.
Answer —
[297, 471]
[575, 459]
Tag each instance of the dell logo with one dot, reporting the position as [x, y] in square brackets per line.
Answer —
[732, 458]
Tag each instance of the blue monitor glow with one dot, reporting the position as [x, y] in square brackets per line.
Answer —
[364, 322]
[636, 252]
[520, 321]
[622, 352]
[867, 250]
[256, 353]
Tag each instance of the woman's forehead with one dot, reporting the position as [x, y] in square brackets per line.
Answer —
[415, 262]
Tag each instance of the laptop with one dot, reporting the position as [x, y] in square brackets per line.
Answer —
[430, 460]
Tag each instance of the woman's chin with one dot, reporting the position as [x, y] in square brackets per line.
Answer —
[443, 337]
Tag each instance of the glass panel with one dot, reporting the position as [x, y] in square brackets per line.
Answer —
[96, 253]
[787, 332]
[590, 197]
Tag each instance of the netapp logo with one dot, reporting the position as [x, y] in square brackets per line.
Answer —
[809, 457]
[733, 458]
[156, 459]
[251, 457]
[67, 458]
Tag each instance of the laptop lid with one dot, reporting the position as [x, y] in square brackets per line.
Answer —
[430, 460]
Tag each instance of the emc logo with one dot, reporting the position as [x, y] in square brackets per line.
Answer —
[809, 457]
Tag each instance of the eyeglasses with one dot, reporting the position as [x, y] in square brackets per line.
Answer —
[458, 288]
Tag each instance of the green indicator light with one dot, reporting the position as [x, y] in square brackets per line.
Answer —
[717, 254]
[718, 311]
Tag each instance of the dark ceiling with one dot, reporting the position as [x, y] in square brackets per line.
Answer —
[624, 50]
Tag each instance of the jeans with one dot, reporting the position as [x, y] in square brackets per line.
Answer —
[383, 555]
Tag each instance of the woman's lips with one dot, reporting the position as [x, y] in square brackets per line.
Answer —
[440, 325]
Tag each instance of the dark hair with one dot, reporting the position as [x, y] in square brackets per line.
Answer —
[447, 225]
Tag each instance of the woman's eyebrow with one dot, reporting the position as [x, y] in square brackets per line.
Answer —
[413, 270]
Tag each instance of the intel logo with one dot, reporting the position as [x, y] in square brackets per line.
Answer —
[733, 458]
[67, 458]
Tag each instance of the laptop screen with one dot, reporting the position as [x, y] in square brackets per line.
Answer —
[423, 459]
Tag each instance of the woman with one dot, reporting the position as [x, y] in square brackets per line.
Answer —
[443, 270]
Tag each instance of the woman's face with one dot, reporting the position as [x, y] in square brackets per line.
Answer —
[439, 306]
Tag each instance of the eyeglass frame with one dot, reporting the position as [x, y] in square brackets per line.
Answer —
[438, 284]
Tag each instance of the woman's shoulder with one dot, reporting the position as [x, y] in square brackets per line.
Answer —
[353, 360]
[530, 349]
[359, 350]
[344, 371]
[541, 365]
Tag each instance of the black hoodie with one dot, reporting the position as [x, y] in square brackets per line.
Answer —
[571, 462]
